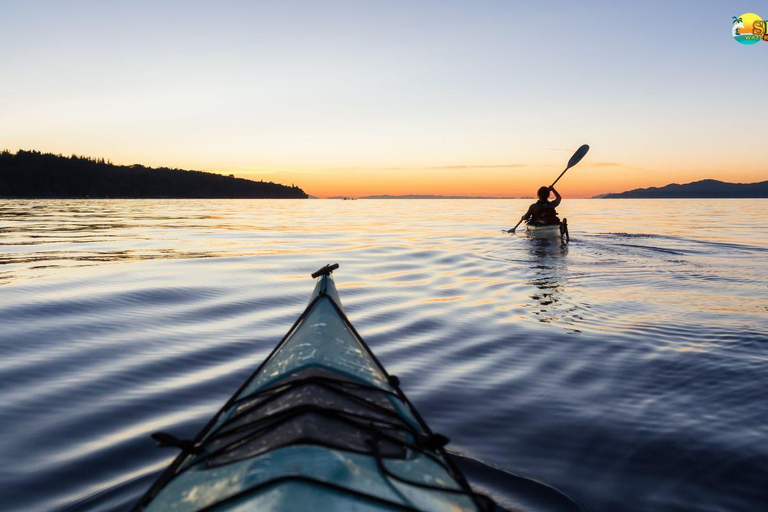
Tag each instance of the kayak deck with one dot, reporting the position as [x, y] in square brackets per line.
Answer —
[320, 422]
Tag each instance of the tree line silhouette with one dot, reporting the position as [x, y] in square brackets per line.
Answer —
[32, 174]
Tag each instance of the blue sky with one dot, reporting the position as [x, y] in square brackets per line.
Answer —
[372, 95]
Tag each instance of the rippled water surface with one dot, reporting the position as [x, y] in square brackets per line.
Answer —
[628, 368]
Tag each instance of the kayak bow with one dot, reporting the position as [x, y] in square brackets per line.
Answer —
[321, 425]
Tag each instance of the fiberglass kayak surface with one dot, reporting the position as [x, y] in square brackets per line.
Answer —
[319, 425]
[547, 231]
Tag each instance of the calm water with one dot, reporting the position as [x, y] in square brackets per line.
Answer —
[628, 368]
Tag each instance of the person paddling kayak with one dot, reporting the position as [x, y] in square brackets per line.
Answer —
[542, 212]
[541, 216]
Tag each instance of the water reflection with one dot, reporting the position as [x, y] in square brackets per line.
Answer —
[549, 263]
[124, 317]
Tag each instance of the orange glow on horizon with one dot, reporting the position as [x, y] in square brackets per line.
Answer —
[520, 177]
[456, 101]
[581, 182]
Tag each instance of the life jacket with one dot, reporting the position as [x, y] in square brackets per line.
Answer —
[545, 214]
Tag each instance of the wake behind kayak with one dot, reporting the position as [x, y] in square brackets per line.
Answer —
[321, 425]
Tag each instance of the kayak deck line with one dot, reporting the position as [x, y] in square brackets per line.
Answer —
[309, 414]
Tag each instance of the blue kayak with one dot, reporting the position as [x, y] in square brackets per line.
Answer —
[319, 426]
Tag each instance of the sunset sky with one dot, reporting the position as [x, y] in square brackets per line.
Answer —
[368, 97]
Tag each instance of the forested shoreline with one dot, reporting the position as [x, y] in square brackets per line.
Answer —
[33, 174]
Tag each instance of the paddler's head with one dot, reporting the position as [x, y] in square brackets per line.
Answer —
[543, 193]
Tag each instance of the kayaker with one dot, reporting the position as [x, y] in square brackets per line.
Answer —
[542, 212]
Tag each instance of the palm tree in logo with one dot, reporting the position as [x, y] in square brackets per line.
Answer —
[737, 24]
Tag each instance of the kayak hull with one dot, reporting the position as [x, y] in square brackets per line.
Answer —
[552, 231]
[548, 231]
[320, 422]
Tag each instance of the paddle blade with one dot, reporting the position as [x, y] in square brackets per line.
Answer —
[577, 156]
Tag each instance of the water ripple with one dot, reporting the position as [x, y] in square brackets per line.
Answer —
[626, 368]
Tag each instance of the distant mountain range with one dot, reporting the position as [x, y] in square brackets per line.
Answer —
[32, 174]
[696, 190]
[420, 196]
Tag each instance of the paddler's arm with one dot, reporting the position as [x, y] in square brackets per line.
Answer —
[556, 202]
[528, 213]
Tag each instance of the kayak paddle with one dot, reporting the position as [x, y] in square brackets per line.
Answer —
[576, 158]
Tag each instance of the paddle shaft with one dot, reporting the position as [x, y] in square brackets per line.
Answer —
[514, 228]
[558, 178]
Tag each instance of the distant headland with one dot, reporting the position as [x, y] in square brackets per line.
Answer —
[422, 196]
[703, 189]
[32, 174]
